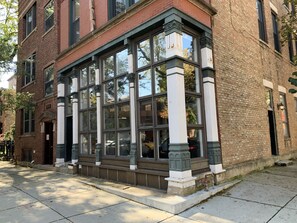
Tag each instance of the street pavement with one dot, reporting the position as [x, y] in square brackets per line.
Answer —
[34, 195]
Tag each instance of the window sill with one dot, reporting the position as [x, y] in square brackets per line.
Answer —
[27, 135]
[277, 53]
[263, 43]
[48, 31]
[27, 37]
[27, 85]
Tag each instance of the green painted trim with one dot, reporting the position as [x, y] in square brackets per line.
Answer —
[174, 62]
[98, 152]
[60, 100]
[208, 72]
[206, 40]
[74, 95]
[173, 24]
[74, 152]
[153, 23]
[214, 153]
[60, 151]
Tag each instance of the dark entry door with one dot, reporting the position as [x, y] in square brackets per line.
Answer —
[69, 141]
[48, 143]
[272, 125]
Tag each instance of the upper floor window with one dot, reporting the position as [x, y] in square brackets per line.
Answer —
[275, 32]
[30, 20]
[49, 80]
[74, 24]
[29, 75]
[117, 6]
[49, 15]
[28, 121]
[261, 21]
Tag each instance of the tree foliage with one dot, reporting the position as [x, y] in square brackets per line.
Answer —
[12, 101]
[8, 32]
[289, 33]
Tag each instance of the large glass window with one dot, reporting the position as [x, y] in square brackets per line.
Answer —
[30, 70]
[116, 108]
[152, 96]
[49, 80]
[275, 32]
[261, 21]
[284, 115]
[49, 15]
[30, 20]
[74, 25]
[117, 6]
[87, 106]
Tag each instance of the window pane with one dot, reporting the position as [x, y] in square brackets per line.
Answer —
[193, 110]
[84, 99]
[109, 117]
[162, 111]
[93, 141]
[93, 120]
[108, 67]
[83, 77]
[49, 74]
[120, 6]
[145, 83]
[188, 49]
[147, 144]
[159, 47]
[122, 62]
[146, 114]
[163, 143]
[124, 143]
[110, 145]
[49, 15]
[76, 10]
[92, 98]
[84, 120]
[92, 74]
[123, 88]
[191, 75]
[49, 88]
[109, 92]
[143, 53]
[84, 144]
[195, 143]
[124, 116]
[160, 79]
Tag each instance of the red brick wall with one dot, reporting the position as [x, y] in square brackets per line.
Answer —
[241, 63]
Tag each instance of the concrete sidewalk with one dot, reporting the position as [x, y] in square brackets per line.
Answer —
[32, 195]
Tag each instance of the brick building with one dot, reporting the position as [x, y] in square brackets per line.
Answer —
[38, 35]
[157, 92]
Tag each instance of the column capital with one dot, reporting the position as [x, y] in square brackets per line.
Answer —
[206, 40]
[173, 24]
[131, 77]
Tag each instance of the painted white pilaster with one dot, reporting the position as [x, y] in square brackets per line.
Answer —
[75, 117]
[98, 111]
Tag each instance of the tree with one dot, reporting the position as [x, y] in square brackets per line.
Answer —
[8, 32]
[289, 33]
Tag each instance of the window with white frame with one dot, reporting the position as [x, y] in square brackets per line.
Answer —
[28, 121]
[49, 15]
[87, 110]
[30, 20]
[49, 80]
[30, 70]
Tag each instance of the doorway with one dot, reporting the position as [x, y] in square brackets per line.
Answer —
[48, 143]
[69, 140]
[272, 124]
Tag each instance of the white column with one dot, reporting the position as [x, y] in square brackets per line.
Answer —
[75, 118]
[98, 112]
[60, 150]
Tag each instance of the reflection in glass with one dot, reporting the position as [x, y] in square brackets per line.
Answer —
[160, 79]
[123, 88]
[110, 144]
[188, 49]
[93, 120]
[109, 92]
[92, 97]
[84, 120]
[93, 142]
[84, 143]
[146, 114]
[147, 144]
[162, 111]
[69, 85]
[108, 67]
[120, 6]
[145, 83]
[191, 78]
[163, 143]
[124, 116]
[124, 143]
[159, 47]
[84, 99]
[122, 62]
[92, 74]
[109, 117]
[143, 53]
[193, 110]
[83, 77]
[195, 143]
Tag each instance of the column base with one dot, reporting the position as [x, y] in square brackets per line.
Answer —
[59, 162]
[217, 168]
[133, 167]
[97, 163]
[181, 183]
